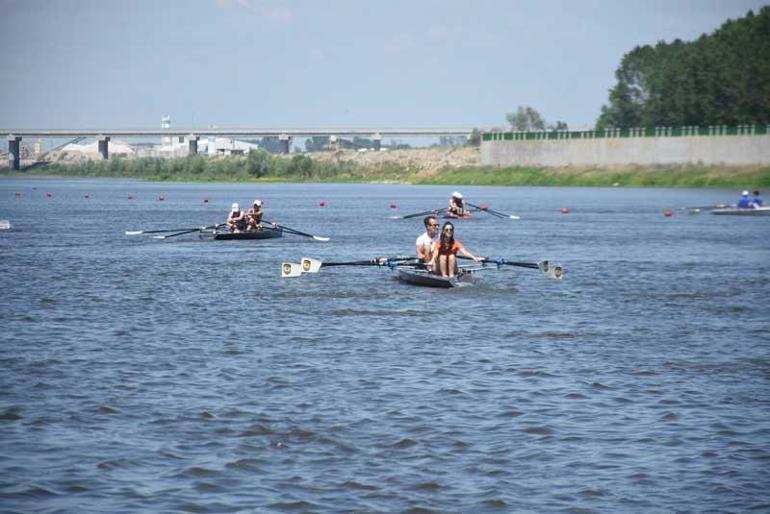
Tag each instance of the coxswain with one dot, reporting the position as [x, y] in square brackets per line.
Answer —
[426, 241]
[254, 216]
[236, 221]
[445, 252]
[744, 202]
[456, 206]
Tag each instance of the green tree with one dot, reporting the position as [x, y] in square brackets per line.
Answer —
[525, 118]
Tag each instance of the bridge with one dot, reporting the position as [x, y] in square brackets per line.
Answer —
[284, 135]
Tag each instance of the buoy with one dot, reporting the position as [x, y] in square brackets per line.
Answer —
[393, 205]
[87, 195]
[667, 213]
[205, 200]
[161, 198]
[18, 194]
[130, 196]
[322, 203]
[49, 195]
[484, 206]
[564, 210]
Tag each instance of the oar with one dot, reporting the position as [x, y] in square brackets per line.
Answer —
[297, 232]
[139, 232]
[188, 231]
[696, 210]
[494, 213]
[310, 265]
[416, 214]
[556, 272]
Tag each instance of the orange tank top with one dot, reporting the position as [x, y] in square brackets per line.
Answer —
[452, 250]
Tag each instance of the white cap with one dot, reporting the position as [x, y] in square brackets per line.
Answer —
[235, 207]
[457, 195]
[745, 193]
[258, 203]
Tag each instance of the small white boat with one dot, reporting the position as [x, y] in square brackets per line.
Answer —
[5, 225]
[737, 211]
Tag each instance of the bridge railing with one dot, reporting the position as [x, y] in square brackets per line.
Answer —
[711, 130]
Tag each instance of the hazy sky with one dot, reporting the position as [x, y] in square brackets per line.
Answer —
[333, 63]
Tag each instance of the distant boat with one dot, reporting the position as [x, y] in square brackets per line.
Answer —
[5, 225]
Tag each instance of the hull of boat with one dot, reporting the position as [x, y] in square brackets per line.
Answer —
[265, 233]
[758, 211]
[424, 278]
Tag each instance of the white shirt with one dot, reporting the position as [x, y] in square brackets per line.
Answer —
[425, 240]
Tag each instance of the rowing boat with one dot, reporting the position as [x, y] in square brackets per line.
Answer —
[737, 211]
[263, 233]
[452, 216]
[423, 277]
[5, 225]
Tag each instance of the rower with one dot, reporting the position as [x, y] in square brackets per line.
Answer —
[426, 240]
[445, 252]
[756, 200]
[236, 221]
[254, 216]
[744, 202]
[456, 205]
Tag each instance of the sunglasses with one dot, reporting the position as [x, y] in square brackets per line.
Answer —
[449, 230]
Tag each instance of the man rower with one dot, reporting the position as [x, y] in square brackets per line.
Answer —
[744, 202]
[456, 205]
[426, 241]
[756, 200]
[445, 252]
[236, 221]
[254, 216]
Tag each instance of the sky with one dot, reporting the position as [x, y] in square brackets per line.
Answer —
[325, 63]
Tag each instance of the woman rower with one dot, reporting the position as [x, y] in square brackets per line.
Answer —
[456, 205]
[254, 216]
[445, 252]
[236, 221]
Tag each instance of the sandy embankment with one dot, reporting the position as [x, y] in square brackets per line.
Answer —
[423, 162]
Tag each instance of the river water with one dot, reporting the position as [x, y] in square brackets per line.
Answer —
[182, 375]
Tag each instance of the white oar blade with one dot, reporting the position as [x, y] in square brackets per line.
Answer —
[290, 269]
[134, 232]
[321, 238]
[556, 272]
[159, 237]
[310, 265]
[514, 217]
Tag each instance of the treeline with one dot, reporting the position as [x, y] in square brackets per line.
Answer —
[719, 79]
[256, 165]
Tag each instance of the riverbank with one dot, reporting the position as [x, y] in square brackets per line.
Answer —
[459, 165]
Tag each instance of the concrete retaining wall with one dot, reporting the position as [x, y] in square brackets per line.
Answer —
[645, 151]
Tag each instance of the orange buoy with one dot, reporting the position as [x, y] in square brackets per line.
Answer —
[161, 198]
[18, 193]
[130, 196]
[49, 195]
[87, 195]
[484, 206]
[564, 210]
[667, 213]
[393, 205]
[322, 203]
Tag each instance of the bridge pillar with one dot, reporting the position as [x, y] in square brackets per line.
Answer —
[284, 142]
[377, 140]
[104, 143]
[192, 144]
[14, 148]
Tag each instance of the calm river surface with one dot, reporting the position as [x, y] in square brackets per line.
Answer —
[141, 375]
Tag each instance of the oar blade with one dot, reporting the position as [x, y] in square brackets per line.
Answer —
[134, 232]
[556, 272]
[291, 269]
[321, 238]
[310, 265]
